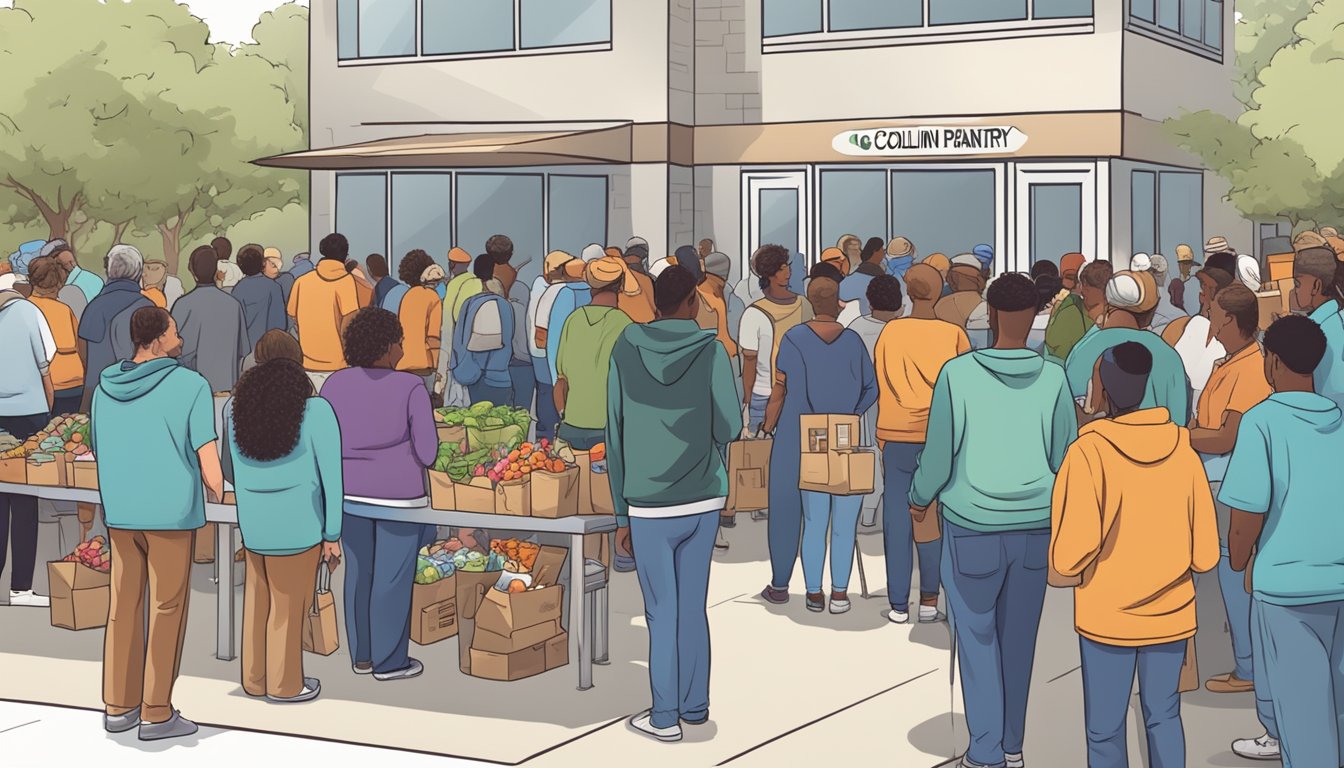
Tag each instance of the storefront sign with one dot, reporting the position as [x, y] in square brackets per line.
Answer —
[930, 140]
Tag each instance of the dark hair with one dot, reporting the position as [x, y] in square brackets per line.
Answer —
[222, 247]
[500, 248]
[768, 261]
[148, 324]
[268, 406]
[1296, 340]
[1096, 274]
[1221, 278]
[1047, 287]
[1240, 302]
[1226, 261]
[1133, 358]
[377, 265]
[1322, 264]
[483, 267]
[47, 273]
[884, 293]
[351, 265]
[368, 336]
[412, 265]
[1044, 267]
[1012, 292]
[826, 269]
[875, 245]
[203, 264]
[251, 259]
[276, 344]
[334, 246]
[671, 289]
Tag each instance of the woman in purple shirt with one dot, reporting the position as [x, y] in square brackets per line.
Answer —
[387, 441]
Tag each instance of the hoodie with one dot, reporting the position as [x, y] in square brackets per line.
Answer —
[1329, 375]
[147, 423]
[664, 447]
[318, 302]
[1168, 386]
[1299, 560]
[1133, 516]
[999, 424]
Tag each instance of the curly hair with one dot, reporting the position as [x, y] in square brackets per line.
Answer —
[412, 265]
[334, 246]
[1013, 292]
[884, 294]
[268, 406]
[500, 248]
[368, 336]
[1096, 274]
[47, 273]
[768, 261]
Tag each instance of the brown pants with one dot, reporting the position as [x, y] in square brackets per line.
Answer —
[140, 671]
[277, 597]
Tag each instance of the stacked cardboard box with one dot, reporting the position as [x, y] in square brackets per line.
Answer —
[832, 461]
[434, 611]
[549, 495]
[514, 635]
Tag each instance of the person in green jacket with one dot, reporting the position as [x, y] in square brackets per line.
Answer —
[1069, 320]
[999, 424]
[282, 452]
[669, 484]
[583, 360]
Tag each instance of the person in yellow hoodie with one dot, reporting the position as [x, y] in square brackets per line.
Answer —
[1132, 519]
[319, 304]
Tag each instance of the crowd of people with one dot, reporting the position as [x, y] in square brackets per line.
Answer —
[1111, 431]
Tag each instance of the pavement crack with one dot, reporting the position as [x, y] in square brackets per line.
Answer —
[20, 725]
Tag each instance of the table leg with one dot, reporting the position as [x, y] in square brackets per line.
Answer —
[224, 592]
[579, 641]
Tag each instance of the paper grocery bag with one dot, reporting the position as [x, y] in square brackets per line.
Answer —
[930, 528]
[749, 475]
[320, 634]
[1189, 669]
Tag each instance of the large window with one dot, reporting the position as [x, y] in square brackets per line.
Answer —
[1143, 212]
[853, 203]
[782, 18]
[381, 29]
[1194, 24]
[422, 216]
[1180, 210]
[578, 212]
[361, 212]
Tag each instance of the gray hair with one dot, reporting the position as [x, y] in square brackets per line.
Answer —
[124, 262]
[1159, 268]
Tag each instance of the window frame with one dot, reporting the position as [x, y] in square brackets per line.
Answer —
[1153, 30]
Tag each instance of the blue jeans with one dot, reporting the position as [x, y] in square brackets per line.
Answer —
[756, 411]
[672, 557]
[899, 461]
[1264, 704]
[1108, 676]
[841, 515]
[995, 585]
[548, 418]
[581, 439]
[1236, 601]
[482, 392]
[524, 383]
[379, 571]
[1299, 655]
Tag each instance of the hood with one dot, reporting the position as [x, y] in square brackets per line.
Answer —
[127, 385]
[331, 270]
[1145, 437]
[1014, 367]
[668, 348]
[1315, 411]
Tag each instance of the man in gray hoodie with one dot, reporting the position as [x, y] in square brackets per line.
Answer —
[669, 484]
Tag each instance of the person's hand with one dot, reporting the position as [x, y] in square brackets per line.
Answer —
[918, 513]
[331, 553]
[438, 384]
[623, 544]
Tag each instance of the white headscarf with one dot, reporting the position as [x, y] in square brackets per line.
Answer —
[593, 252]
[233, 274]
[1124, 292]
[1248, 271]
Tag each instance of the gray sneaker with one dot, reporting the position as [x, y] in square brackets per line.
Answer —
[174, 727]
[411, 670]
[311, 688]
[121, 723]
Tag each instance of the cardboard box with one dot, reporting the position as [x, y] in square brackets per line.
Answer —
[425, 595]
[507, 612]
[48, 473]
[1280, 266]
[475, 496]
[508, 666]
[1273, 305]
[84, 474]
[435, 622]
[514, 498]
[13, 471]
[749, 475]
[555, 494]
[485, 640]
[230, 499]
[829, 432]
[557, 651]
[839, 473]
[471, 588]
[441, 493]
[601, 492]
[455, 433]
[80, 596]
[585, 465]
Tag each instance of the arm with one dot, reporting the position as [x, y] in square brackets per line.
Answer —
[775, 405]
[1217, 441]
[749, 346]
[48, 389]
[434, 332]
[935, 461]
[1203, 524]
[275, 312]
[727, 419]
[424, 435]
[1248, 489]
[201, 435]
[867, 382]
[211, 473]
[615, 449]
[292, 307]
[328, 450]
[748, 374]
[561, 394]
[1242, 536]
[1075, 517]
[82, 349]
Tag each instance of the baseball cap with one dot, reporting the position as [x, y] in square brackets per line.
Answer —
[554, 260]
[460, 256]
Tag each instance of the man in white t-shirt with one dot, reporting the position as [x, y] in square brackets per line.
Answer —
[1190, 336]
[776, 312]
[886, 304]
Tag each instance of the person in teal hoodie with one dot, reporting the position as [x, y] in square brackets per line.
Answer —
[665, 448]
[282, 452]
[999, 424]
[153, 430]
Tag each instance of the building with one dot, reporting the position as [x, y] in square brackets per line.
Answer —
[1031, 125]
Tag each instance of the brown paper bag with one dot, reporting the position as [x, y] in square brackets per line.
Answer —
[1189, 670]
[748, 475]
[320, 634]
[930, 528]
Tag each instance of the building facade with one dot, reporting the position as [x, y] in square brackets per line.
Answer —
[1034, 126]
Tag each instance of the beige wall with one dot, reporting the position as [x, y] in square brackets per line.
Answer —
[1162, 80]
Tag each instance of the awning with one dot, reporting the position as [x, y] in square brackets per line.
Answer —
[524, 148]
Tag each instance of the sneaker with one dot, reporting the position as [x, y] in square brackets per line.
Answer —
[121, 723]
[363, 668]
[643, 722]
[773, 594]
[839, 602]
[1262, 748]
[898, 617]
[816, 602]
[27, 599]
[721, 541]
[311, 688]
[696, 721]
[405, 673]
[1013, 760]
[1229, 684]
[174, 727]
[929, 614]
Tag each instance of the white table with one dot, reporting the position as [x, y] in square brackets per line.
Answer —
[226, 515]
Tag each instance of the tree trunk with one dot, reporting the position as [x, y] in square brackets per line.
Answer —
[171, 236]
[57, 217]
[119, 230]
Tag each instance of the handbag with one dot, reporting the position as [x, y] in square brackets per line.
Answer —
[320, 634]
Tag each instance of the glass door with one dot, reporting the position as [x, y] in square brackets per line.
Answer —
[775, 209]
[1056, 213]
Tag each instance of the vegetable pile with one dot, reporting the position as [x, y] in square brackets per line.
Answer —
[519, 555]
[488, 425]
[93, 553]
[68, 434]
[444, 558]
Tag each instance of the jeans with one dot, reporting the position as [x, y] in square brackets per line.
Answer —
[899, 461]
[1264, 704]
[1108, 676]
[482, 392]
[1299, 653]
[524, 384]
[841, 515]
[672, 557]
[379, 571]
[756, 411]
[581, 439]
[547, 416]
[18, 514]
[1236, 601]
[995, 585]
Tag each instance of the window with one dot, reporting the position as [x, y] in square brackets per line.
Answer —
[361, 212]
[1143, 212]
[853, 203]
[783, 18]
[1142, 9]
[1194, 24]
[496, 203]
[578, 212]
[875, 14]
[791, 17]
[422, 216]
[943, 211]
[1056, 220]
[377, 29]
[971, 11]
[1061, 9]
[1180, 206]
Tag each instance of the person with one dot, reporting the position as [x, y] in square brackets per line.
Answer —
[1191, 337]
[376, 264]
[1248, 272]
[852, 248]
[763, 326]
[834, 257]
[1166, 312]
[27, 348]
[363, 286]
[387, 442]
[572, 294]
[712, 311]
[705, 247]
[483, 340]
[14, 272]
[519, 296]
[1185, 262]
[320, 303]
[227, 275]
[153, 428]
[153, 280]
[557, 267]
[1309, 239]
[714, 292]
[105, 325]
[1050, 292]
[282, 453]
[271, 346]
[212, 325]
[940, 262]
[262, 299]
[1297, 600]
[669, 484]
[901, 256]
[1092, 281]
[303, 264]
[821, 367]
[47, 276]
[884, 297]
[1069, 319]
[421, 316]
[1070, 265]
[1317, 291]
[462, 285]
[87, 282]
[854, 288]
[999, 424]
[1236, 384]
[984, 252]
[968, 288]
[909, 355]
[1127, 521]
[639, 306]
[584, 354]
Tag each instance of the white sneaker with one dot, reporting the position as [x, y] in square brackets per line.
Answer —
[839, 606]
[1014, 761]
[643, 722]
[1262, 748]
[721, 541]
[27, 599]
[898, 617]
[929, 614]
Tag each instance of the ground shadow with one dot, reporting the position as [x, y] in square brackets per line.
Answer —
[941, 735]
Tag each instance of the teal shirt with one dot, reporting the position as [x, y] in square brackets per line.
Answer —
[999, 425]
[1168, 386]
[148, 421]
[1329, 375]
[1297, 435]
[88, 283]
[289, 505]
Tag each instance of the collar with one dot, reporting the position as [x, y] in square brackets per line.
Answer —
[1325, 311]
[123, 284]
[1247, 351]
[870, 269]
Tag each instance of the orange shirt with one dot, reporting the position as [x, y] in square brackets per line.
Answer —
[318, 302]
[155, 295]
[908, 356]
[1237, 384]
[640, 308]
[421, 315]
[67, 370]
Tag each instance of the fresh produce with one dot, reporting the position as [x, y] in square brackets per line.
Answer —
[520, 462]
[517, 585]
[68, 434]
[598, 453]
[488, 425]
[8, 442]
[519, 555]
[93, 553]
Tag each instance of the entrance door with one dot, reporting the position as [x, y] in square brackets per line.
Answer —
[1056, 213]
[776, 208]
